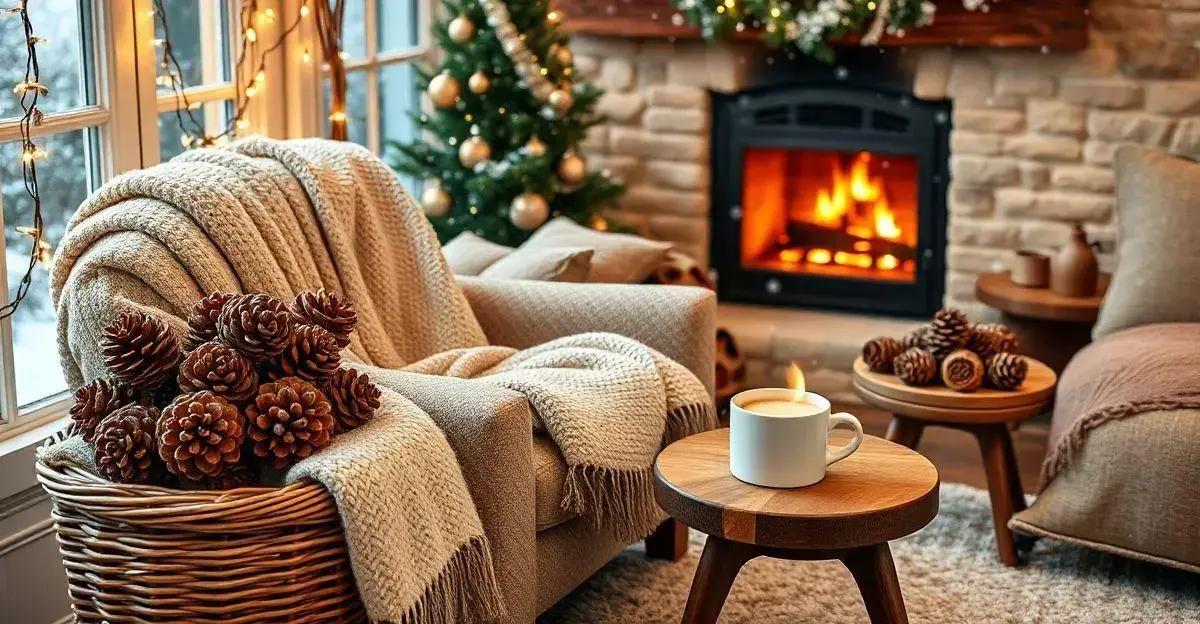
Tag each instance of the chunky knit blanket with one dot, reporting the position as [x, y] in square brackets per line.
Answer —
[285, 217]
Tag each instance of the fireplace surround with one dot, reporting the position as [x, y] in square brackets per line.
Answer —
[830, 195]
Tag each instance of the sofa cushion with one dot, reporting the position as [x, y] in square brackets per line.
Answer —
[549, 475]
[469, 254]
[1158, 270]
[619, 258]
[544, 264]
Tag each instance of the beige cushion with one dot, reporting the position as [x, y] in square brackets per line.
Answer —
[1158, 263]
[469, 254]
[619, 258]
[549, 475]
[544, 264]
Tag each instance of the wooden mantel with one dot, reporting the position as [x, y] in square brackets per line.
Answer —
[1054, 24]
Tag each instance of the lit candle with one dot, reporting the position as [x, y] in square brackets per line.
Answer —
[796, 406]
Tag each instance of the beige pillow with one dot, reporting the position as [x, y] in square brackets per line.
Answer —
[546, 264]
[619, 258]
[470, 254]
[1158, 263]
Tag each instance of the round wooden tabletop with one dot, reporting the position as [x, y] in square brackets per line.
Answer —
[998, 291]
[882, 492]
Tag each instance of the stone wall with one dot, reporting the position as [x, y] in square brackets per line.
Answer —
[1032, 146]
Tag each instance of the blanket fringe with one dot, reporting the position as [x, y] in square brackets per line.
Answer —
[687, 420]
[465, 591]
[1069, 445]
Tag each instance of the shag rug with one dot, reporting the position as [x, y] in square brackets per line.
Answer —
[948, 573]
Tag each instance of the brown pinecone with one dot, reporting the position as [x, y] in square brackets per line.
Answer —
[948, 331]
[962, 371]
[916, 367]
[313, 355]
[289, 420]
[216, 367]
[1006, 371]
[915, 338]
[202, 322]
[96, 400]
[328, 310]
[140, 350]
[237, 476]
[988, 339]
[257, 325]
[353, 398]
[879, 352]
[124, 446]
[200, 435]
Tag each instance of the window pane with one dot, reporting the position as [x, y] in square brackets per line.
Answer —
[60, 57]
[356, 106]
[170, 136]
[398, 95]
[354, 28]
[64, 182]
[398, 29]
[199, 41]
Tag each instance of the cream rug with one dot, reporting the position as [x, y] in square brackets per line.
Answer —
[949, 574]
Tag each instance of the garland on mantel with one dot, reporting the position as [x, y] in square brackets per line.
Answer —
[811, 24]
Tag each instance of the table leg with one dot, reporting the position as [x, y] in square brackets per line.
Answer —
[905, 431]
[719, 566]
[1004, 485]
[669, 541]
[875, 574]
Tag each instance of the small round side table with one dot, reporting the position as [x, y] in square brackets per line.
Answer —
[880, 493]
[985, 413]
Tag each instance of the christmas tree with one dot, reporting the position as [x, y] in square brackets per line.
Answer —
[505, 121]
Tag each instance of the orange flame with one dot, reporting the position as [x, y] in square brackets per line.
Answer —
[836, 201]
[795, 381]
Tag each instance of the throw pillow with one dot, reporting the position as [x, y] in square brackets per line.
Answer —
[1158, 270]
[470, 254]
[618, 258]
[546, 264]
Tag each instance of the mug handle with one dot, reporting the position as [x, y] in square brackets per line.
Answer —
[844, 418]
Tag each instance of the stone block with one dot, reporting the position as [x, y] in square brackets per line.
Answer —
[1056, 205]
[1083, 178]
[688, 68]
[587, 67]
[627, 169]
[1034, 175]
[1186, 141]
[603, 47]
[678, 175]
[653, 199]
[970, 81]
[960, 284]
[1044, 235]
[1100, 93]
[932, 74]
[1173, 98]
[616, 74]
[976, 143]
[1015, 201]
[1023, 83]
[1135, 127]
[651, 72]
[626, 141]
[1054, 117]
[988, 120]
[984, 233]
[1110, 16]
[1100, 152]
[969, 202]
[1043, 147]
[1183, 25]
[682, 147]
[596, 141]
[981, 171]
[678, 120]
[677, 96]
[689, 232]
[976, 259]
[1148, 56]
[621, 107]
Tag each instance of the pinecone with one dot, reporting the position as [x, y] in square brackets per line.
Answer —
[124, 446]
[257, 325]
[313, 355]
[289, 420]
[962, 371]
[1006, 371]
[140, 350]
[202, 323]
[328, 310]
[948, 332]
[200, 435]
[96, 400]
[988, 339]
[353, 398]
[237, 476]
[915, 338]
[216, 367]
[916, 367]
[878, 353]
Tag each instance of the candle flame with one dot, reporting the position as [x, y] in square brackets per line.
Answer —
[795, 381]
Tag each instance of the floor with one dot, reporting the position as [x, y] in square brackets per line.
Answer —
[955, 452]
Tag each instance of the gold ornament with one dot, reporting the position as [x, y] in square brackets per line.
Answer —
[554, 18]
[479, 83]
[435, 201]
[461, 29]
[535, 147]
[529, 211]
[444, 90]
[572, 168]
[561, 100]
[563, 55]
[474, 151]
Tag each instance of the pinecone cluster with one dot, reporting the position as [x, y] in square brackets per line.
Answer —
[256, 379]
[950, 349]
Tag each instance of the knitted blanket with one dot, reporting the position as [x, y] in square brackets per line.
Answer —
[285, 217]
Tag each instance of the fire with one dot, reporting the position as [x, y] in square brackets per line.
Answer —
[836, 203]
[795, 380]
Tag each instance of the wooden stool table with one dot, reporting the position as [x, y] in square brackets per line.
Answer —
[985, 413]
[882, 492]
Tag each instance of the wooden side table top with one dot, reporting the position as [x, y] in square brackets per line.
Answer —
[882, 492]
[998, 291]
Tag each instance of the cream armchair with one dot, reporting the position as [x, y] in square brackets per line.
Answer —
[540, 553]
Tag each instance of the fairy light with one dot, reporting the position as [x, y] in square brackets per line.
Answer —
[338, 116]
[304, 10]
[251, 35]
[306, 57]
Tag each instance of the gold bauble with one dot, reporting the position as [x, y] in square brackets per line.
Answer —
[572, 168]
[461, 29]
[435, 201]
[561, 101]
[563, 55]
[479, 83]
[474, 151]
[444, 90]
[529, 211]
[535, 147]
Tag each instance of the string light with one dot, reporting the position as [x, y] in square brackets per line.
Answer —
[251, 34]
[337, 116]
[304, 10]
[307, 56]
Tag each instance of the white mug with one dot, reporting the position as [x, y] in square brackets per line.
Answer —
[785, 451]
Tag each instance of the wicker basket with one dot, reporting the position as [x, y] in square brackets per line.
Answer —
[137, 553]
